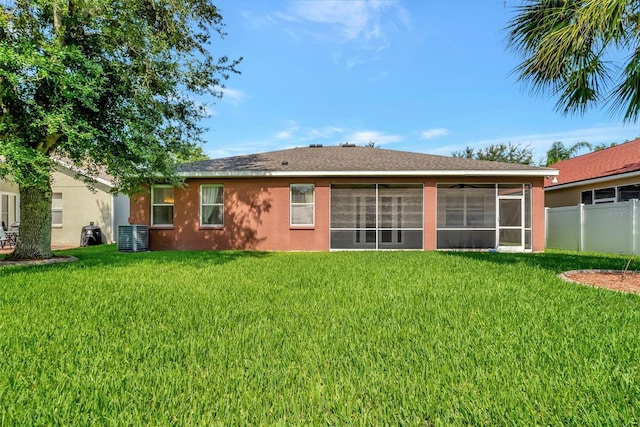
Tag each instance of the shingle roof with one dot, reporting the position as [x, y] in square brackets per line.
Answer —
[610, 162]
[342, 160]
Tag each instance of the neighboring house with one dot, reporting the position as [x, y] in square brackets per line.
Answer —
[9, 203]
[73, 206]
[606, 176]
[346, 197]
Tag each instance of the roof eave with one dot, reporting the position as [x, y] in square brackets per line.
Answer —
[387, 173]
[79, 171]
[593, 181]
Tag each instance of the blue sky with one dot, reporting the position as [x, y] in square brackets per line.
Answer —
[424, 76]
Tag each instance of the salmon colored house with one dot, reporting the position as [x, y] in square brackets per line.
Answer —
[346, 198]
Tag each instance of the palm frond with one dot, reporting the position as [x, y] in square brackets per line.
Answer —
[564, 44]
[626, 96]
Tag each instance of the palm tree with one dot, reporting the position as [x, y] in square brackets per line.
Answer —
[570, 49]
[559, 152]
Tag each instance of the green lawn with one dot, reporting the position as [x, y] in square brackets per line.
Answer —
[360, 338]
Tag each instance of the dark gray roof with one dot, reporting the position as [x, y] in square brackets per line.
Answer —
[341, 160]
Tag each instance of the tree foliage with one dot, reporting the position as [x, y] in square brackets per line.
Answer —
[509, 153]
[194, 153]
[585, 52]
[109, 86]
[559, 152]
[603, 146]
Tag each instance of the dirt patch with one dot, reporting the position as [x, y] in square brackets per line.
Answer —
[615, 280]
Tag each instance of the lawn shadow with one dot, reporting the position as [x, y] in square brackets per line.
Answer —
[94, 257]
[552, 260]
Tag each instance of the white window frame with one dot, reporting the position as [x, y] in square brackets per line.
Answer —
[312, 204]
[5, 213]
[16, 209]
[202, 224]
[154, 204]
[595, 201]
[618, 194]
[59, 208]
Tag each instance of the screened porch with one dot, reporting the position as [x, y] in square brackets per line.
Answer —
[377, 216]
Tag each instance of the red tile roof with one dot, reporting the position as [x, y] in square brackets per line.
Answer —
[610, 162]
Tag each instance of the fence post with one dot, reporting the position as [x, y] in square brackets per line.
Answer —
[581, 233]
[634, 226]
[546, 226]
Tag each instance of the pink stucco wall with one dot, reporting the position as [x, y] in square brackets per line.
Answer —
[256, 214]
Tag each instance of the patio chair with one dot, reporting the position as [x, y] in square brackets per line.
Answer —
[5, 240]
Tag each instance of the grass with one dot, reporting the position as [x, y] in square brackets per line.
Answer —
[356, 338]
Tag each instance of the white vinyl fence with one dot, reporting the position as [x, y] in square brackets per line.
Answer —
[609, 227]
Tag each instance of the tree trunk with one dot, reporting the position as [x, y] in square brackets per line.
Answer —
[35, 224]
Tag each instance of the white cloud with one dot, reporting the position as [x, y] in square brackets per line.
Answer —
[433, 133]
[330, 135]
[365, 24]
[232, 96]
[284, 134]
[541, 142]
[367, 136]
[326, 132]
[294, 133]
[350, 19]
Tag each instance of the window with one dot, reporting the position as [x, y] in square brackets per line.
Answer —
[56, 210]
[302, 204]
[162, 205]
[4, 210]
[212, 205]
[628, 192]
[610, 194]
[9, 209]
[604, 195]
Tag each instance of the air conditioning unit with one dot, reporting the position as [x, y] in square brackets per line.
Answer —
[133, 238]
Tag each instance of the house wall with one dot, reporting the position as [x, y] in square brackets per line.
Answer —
[80, 206]
[256, 214]
[8, 187]
[572, 196]
[9, 203]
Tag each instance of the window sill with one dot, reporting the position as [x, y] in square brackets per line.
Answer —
[211, 227]
[302, 227]
[161, 227]
[56, 225]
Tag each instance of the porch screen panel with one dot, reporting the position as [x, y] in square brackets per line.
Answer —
[376, 216]
[466, 216]
[400, 207]
[353, 216]
[349, 206]
[527, 216]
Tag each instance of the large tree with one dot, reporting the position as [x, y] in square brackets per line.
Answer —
[509, 153]
[107, 85]
[585, 52]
